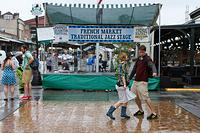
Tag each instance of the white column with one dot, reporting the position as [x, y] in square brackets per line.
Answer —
[136, 51]
[110, 60]
[152, 47]
[97, 57]
[44, 61]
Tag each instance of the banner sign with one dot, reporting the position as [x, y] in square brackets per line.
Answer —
[46, 33]
[141, 34]
[60, 33]
[101, 33]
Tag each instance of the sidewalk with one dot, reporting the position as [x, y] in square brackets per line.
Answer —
[77, 111]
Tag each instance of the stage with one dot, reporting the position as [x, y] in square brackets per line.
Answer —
[87, 81]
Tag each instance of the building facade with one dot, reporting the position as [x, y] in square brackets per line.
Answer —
[14, 32]
[42, 21]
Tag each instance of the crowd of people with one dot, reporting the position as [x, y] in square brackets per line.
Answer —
[24, 66]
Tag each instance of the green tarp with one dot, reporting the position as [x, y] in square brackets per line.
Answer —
[138, 15]
[87, 82]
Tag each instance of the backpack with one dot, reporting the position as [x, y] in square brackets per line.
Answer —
[149, 70]
[34, 64]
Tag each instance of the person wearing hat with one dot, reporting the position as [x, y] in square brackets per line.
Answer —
[8, 79]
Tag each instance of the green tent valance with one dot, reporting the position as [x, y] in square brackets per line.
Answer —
[138, 15]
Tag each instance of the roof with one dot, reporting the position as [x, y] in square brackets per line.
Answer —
[9, 39]
[92, 15]
[179, 26]
[7, 13]
[172, 31]
[195, 14]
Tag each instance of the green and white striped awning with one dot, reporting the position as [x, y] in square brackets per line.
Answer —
[82, 14]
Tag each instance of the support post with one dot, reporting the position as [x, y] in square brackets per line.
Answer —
[192, 52]
[136, 51]
[152, 45]
[110, 61]
[53, 58]
[36, 24]
[159, 42]
[97, 57]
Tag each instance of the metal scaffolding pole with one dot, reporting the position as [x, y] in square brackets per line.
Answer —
[159, 41]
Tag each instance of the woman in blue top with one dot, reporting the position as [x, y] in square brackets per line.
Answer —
[8, 78]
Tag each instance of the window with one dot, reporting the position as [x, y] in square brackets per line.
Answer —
[8, 17]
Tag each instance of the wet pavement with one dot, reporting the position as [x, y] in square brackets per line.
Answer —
[81, 111]
[58, 111]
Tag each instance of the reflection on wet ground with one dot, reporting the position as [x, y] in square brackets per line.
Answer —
[78, 117]
[77, 111]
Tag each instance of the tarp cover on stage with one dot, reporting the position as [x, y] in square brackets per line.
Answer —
[87, 82]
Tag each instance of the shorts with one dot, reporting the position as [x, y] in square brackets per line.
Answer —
[49, 68]
[27, 76]
[140, 89]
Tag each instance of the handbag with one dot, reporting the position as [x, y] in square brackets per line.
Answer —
[130, 95]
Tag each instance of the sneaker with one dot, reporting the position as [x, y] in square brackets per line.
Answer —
[5, 99]
[29, 97]
[23, 98]
[12, 99]
[139, 113]
[152, 116]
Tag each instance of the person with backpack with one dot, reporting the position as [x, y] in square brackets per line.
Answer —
[122, 88]
[142, 71]
[27, 72]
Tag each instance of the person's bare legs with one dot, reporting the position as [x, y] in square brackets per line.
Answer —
[139, 103]
[149, 103]
[29, 89]
[116, 105]
[12, 89]
[25, 89]
[6, 91]
[125, 104]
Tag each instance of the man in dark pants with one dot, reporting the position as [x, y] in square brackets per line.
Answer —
[140, 85]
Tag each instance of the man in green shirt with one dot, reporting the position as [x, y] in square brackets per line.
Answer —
[27, 72]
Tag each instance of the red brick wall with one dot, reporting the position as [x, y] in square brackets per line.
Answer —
[31, 22]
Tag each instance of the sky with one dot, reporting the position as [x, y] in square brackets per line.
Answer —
[172, 12]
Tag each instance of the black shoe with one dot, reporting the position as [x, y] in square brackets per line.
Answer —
[123, 113]
[110, 111]
[12, 99]
[152, 116]
[139, 113]
[5, 99]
